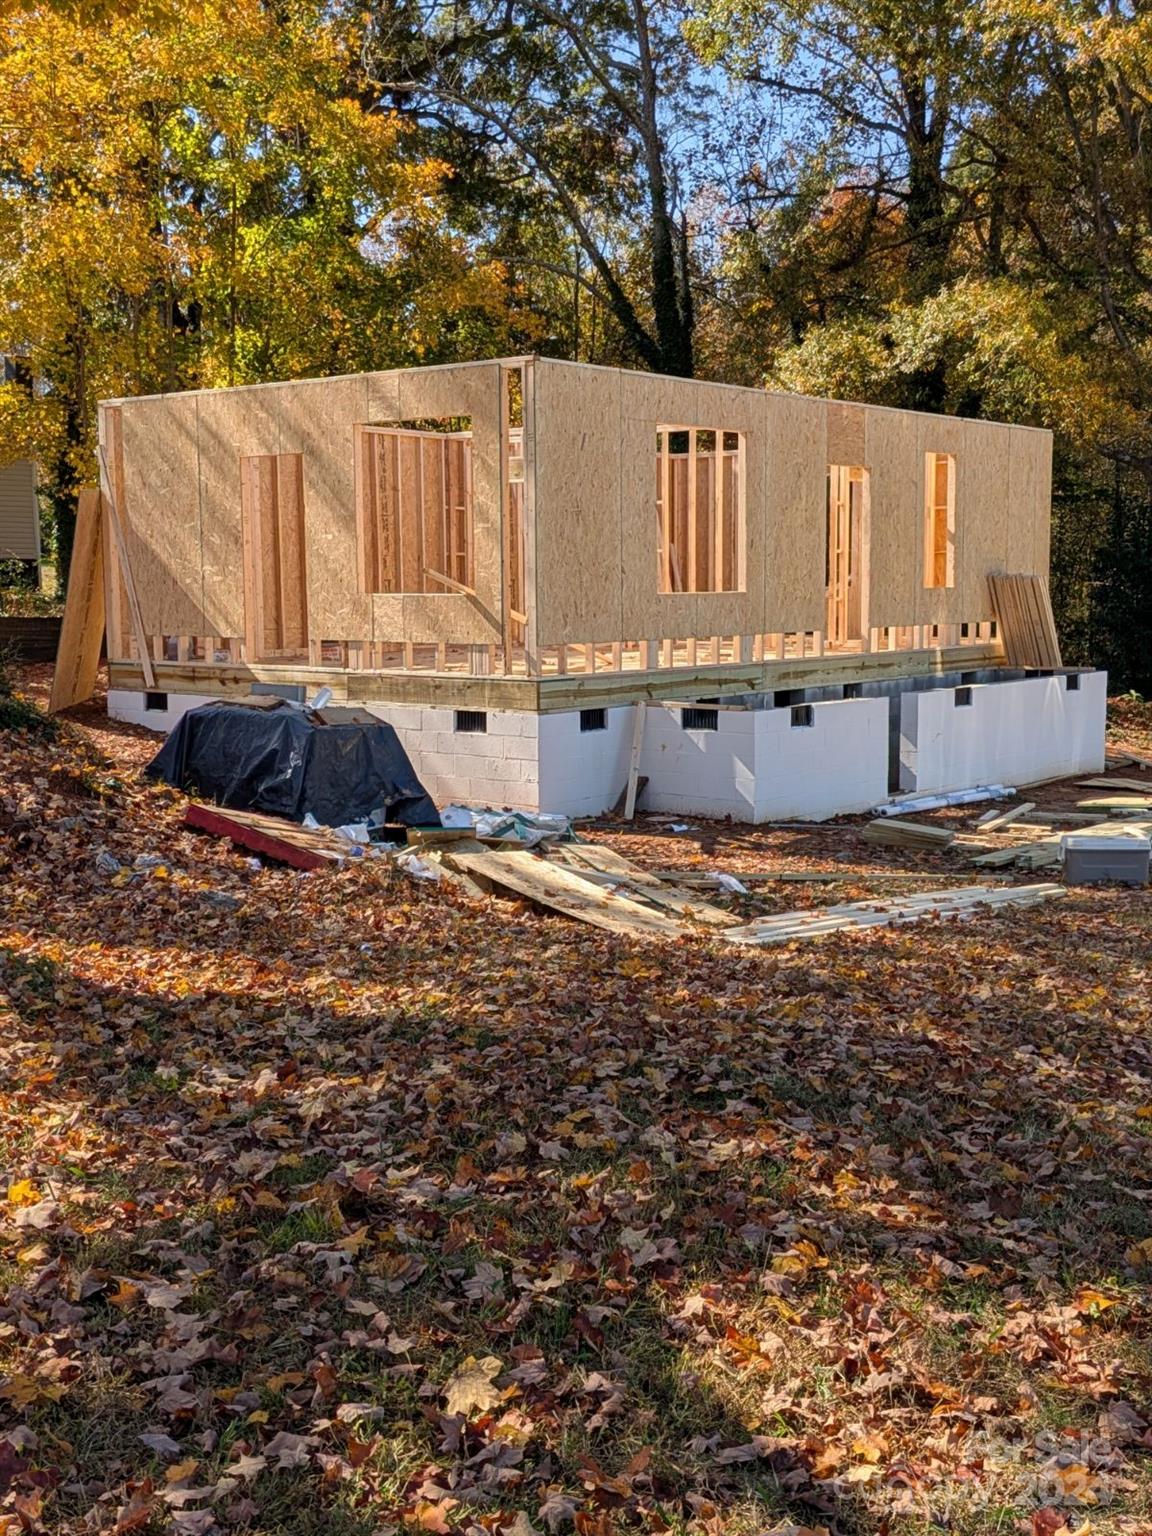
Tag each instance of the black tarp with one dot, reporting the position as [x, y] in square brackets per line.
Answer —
[286, 762]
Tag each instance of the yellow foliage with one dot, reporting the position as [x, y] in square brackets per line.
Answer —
[196, 195]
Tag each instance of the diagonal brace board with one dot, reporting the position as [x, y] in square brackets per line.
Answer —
[82, 630]
[120, 540]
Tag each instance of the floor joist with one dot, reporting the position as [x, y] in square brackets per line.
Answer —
[547, 695]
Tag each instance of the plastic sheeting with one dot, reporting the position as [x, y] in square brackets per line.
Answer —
[284, 761]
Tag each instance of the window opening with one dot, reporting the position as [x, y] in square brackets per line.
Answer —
[700, 719]
[276, 593]
[700, 493]
[939, 520]
[844, 555]
[414, 506]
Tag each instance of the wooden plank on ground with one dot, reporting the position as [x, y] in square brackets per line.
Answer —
[523, 874]
[965, 901]
[82, 630]
[1137, 784]
[600, 864]
[284, 841]
[810, 876]
[907, 834]
[1000, 819]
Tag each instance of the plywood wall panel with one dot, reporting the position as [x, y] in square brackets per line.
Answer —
[896, 495]
[472, 390]
[846, 426]
[1029, 501]
[646, 402]
[795, 513]
[981, 453]
[316, 419]
[746, 411]
[383, 397]
[231, 424]
[161, 512]
[579, 455]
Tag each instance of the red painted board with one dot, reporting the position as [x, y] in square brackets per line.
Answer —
[209, 819]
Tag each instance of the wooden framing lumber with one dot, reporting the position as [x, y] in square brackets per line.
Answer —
[605, 866]
[907, 834]
[966, 901]
[562, 691]
[82, 629]
[120, 541]
[634, 760]
[1027, 625]
[524, 874]
[993, 821]
[272, 836]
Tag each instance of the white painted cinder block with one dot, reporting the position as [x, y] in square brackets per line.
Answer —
[581, 773]
[1011, 733]
[496, 767]
[835, 766]
[127, 705]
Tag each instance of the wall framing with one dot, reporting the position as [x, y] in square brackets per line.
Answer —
[564, 592]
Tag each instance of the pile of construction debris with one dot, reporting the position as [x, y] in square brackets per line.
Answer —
[594, 884]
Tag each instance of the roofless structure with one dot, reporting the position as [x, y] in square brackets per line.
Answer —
[541, 538]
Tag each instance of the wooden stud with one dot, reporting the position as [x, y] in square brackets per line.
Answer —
[120, 539]
[693, 573]
[634, 761]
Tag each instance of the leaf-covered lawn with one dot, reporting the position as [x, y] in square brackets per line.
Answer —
[340, 1204]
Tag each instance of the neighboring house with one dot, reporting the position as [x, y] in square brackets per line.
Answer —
[19, 512]
[506, 558]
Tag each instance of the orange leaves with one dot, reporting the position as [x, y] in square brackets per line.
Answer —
[793, 1222]
[799, 1260]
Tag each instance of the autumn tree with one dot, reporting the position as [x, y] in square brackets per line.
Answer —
[585, 105]
[192, 196]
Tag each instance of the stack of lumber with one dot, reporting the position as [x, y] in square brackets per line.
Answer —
[1024, 617]
[592, 884]
[907, 834]
[1048, 850]
[597, 885]
[783, 927]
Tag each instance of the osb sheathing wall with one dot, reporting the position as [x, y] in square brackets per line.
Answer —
[591, 573]
[174, 465]
[597, 521]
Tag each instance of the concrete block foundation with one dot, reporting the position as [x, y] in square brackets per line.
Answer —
[1017, 732]
[761, 760]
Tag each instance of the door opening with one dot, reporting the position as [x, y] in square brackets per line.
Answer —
[845, 573]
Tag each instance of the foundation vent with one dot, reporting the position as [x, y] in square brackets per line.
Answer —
[700, 719]
[155, 701]
[962, 698]
[473, 722]
[593, 720]
[803, 715]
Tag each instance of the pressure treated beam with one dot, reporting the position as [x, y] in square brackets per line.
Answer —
[590, 690]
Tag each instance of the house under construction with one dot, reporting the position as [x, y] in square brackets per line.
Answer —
[505, 559]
